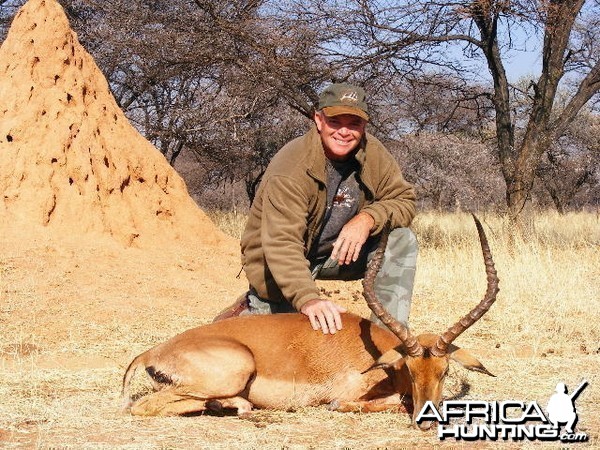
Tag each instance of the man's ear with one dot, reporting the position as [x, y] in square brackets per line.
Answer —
[465, 359]
[318, 120]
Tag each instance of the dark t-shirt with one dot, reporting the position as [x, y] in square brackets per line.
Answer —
[342, 202]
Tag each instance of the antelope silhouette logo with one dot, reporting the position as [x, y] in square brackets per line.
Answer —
[351, 96]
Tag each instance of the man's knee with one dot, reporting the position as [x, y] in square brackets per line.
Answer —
[260, 306]
[402, 243]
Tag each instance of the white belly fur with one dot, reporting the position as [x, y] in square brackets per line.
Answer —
[289, 394]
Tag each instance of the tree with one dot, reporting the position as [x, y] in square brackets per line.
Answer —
[220, 79]
[407, 38]
[450, 172]
[230, 82]
[572, 163]
[8, 8]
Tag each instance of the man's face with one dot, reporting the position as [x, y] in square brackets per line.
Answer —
[340, 134]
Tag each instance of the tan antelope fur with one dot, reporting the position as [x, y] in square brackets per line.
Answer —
[280, 362]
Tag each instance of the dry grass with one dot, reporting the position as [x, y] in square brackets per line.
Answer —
[550, 284]
[231, 223]
[64, 393]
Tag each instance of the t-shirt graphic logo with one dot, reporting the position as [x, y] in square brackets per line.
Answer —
[343, 198]
[561, 406]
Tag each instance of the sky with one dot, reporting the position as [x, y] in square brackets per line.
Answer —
[522, 64]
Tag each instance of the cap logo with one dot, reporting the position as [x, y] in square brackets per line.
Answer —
[343, 98]
[351, 96]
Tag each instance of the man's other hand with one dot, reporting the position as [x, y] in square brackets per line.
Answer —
[354, 234]
[324, 315]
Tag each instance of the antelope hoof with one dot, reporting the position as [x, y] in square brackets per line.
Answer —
[214, 406]
[334, 405]
[246, 415]
[425, 425]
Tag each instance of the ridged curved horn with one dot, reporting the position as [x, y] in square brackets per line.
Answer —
[411, 344]
[441, 346]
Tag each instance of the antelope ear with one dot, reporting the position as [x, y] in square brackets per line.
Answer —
[465, 359]
[387, 360]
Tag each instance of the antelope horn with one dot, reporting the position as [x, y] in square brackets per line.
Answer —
[411, 344]
[441, 346]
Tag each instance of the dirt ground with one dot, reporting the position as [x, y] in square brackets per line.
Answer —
[104, 254]
[73, 313]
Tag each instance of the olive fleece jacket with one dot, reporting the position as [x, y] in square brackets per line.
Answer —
[289, 208]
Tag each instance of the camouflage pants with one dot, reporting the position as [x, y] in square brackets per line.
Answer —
[393, 284]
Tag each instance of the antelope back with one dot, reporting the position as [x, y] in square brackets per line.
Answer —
[286, 346]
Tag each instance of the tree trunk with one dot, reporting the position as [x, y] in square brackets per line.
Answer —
[519, 167]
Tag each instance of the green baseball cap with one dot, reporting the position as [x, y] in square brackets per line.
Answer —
[343, 98]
